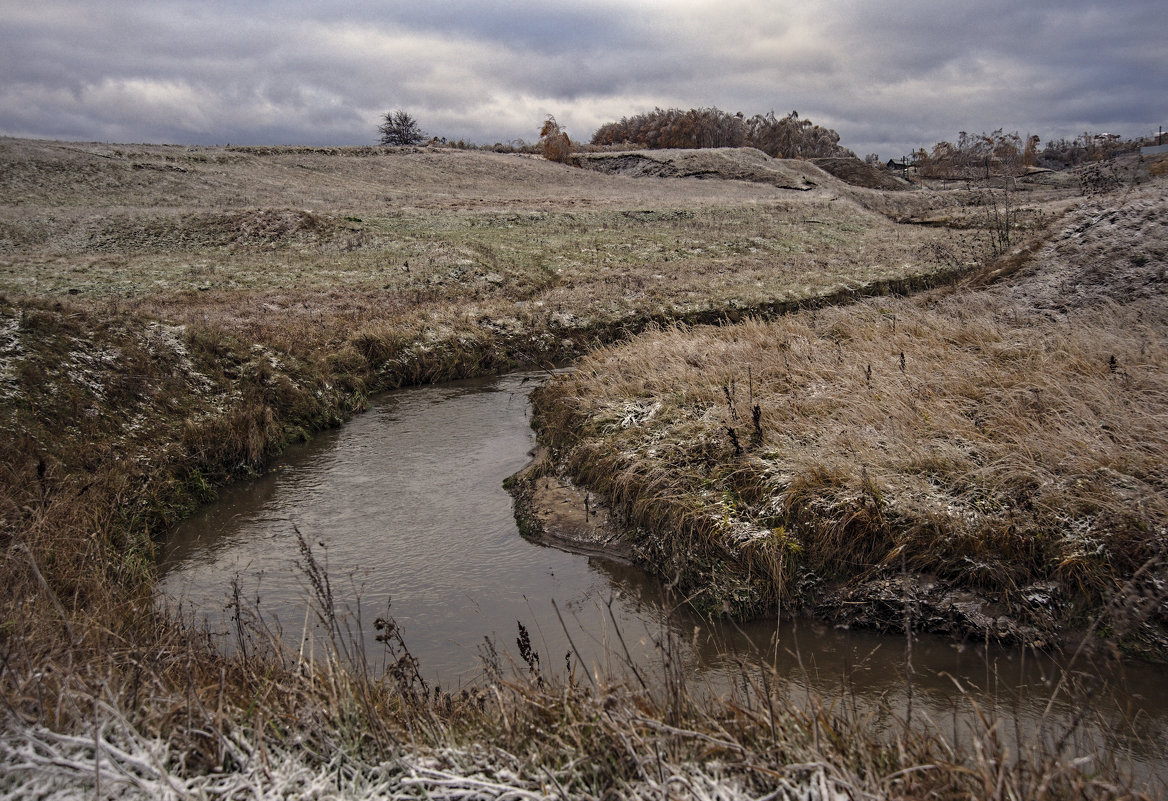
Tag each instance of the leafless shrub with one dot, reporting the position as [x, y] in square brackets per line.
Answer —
[400, 128]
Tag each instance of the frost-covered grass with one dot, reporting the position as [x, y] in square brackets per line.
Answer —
[305, 250]
[41, 764]
[1008, 441]
[173, 719]
[601, 266]
[171, 317]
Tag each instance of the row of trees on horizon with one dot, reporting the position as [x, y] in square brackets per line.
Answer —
[790, 136]
[971, 156]
[1001, 153]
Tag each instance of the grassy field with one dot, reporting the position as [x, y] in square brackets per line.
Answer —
[172, 317]
[293, 247]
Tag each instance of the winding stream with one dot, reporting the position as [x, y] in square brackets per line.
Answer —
[404, 505]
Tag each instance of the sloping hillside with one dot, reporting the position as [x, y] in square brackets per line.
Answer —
[725, 163]
[67, 174]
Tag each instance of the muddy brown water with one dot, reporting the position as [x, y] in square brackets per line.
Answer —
[404, 506]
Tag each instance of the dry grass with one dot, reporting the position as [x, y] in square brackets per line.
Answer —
[482, 260]
[1008, 442]
[171, 317]
[169, 717]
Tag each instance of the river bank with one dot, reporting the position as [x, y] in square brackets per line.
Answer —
[982, 462]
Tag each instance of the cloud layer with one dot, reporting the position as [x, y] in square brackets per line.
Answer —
[889, 77]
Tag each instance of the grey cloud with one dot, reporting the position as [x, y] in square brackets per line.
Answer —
[531, 27]
[888, 76]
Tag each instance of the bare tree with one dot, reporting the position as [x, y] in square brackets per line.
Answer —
[399, 128]
[978, 156]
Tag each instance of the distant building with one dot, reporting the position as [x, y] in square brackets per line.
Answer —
[903, 166]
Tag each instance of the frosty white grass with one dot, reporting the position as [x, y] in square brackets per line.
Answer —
[37, 763]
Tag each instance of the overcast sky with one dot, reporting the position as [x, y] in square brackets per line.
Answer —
[888, 76]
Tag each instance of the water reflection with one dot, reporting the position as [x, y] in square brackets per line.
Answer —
[404, 507]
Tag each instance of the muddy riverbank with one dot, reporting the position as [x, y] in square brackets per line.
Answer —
[554, 510]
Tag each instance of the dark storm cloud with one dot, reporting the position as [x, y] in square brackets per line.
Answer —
[889, 77]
